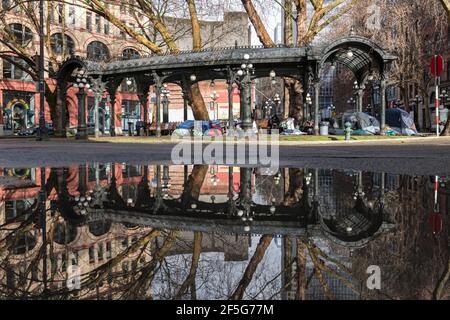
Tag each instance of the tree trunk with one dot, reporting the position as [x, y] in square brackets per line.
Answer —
[55, 114]
[198, 103]
[257, 23]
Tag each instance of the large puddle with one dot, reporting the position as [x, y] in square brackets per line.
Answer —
[117, 231]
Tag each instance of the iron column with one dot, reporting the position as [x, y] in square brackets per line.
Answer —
[42, 133]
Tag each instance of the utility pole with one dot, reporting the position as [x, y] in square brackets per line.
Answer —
[42, 133]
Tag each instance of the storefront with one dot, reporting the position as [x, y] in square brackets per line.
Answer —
[18, 111]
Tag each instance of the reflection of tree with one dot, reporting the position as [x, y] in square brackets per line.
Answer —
[190, 280]
[264, 243]
[193, 185]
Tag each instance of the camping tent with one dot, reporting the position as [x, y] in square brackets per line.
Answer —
[401, 121]
[363, 121]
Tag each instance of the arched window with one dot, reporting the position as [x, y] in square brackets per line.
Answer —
[56, 42]
[130, 53]
[97, 50]
[24, 243]
[63, 235]
[23, 35]
[14, 69]
[99, 228]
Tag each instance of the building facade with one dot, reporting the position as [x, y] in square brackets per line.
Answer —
[79, 32]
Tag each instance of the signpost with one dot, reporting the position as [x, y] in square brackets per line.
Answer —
[437, 67]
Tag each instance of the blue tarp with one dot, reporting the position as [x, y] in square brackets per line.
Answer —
[205, 125]
[400, 121]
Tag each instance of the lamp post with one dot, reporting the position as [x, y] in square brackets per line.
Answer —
[308, 106]
[42, 132]
[165, 95]
[268, 108]
[245, 81]
[417, 100]
[277, 101]
[214, 178]
[214, 105]
[166, 182]
[98, 87]
[352, 102]
[82, 84]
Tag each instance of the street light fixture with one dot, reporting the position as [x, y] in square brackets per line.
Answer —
[165, 94]
[444, 97]
[215, 96]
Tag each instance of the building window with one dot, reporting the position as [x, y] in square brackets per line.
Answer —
[106, 28]
[108, 250]
[23, 35]
[97, 50]
[6, 4]
[123, 7]
[100, 252]
[124, 243]
[75, 258]
[98, 25]
[130, 53]
[63, 262]
[72, 16]
[58, 47]
[13, 69]
[99, 228]
[59, 13]
[91, 255]
[89, 21]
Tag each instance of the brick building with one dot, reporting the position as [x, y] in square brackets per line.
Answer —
[76, 31]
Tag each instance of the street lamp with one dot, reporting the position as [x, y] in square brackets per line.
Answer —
[214, 178]
[268, 108]
[165, 94]
[42, 133]
[214, 105]
[82, 84]
[166, 182]
[308, 106]
[277, 101]
[444, 97]
[351, 102]
[244, 80]
[417, 101]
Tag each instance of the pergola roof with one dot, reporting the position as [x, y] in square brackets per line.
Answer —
[367, 56]
[214, 63]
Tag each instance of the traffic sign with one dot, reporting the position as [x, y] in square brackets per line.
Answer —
[437, 65]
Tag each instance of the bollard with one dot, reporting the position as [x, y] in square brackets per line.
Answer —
[348, 130]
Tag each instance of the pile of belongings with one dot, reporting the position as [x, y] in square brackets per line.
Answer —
[198, 129]
[401, 122]
[289, 129]
[362, 123]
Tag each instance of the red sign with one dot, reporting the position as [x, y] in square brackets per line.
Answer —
[437, 65]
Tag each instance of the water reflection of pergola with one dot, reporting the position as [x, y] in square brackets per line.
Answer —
[238, 215]
[363, 57]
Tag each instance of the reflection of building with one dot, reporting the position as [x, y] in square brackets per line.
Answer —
[88, 246]
[89, 35]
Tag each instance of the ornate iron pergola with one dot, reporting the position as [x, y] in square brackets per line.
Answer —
[237, 65]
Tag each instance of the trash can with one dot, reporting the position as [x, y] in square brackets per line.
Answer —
[324, 128]
[140, 128]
